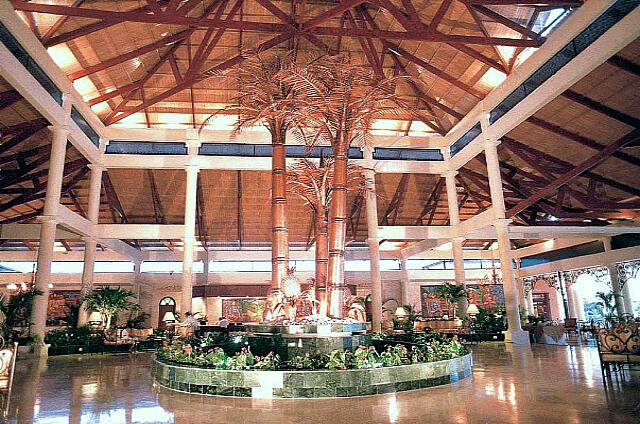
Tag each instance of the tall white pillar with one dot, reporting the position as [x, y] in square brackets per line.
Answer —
[48, 229]
[456, 242]
[514, 334]
[189, 237]
[405, 283]
[90, 244]
[374, 250]
[622, 297]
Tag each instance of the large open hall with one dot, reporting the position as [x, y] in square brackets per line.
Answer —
[319, 211]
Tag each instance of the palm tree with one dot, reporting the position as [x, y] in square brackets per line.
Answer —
[260, 97]
[451, 293]
[313, 184]
[337, 101]
[16, 311]
[108, 302]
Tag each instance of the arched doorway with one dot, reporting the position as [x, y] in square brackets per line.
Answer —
[586, 304]
[167, 304]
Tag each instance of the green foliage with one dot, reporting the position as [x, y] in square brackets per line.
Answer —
[309, 361]
[366, 357]
[451, 293]
[394, 356]
[138, 321]
[109, 301]
[339, 360]
[80, 336]
[16, 312]
[363, 357]
[267, 363]
[488, 323]
[609, 304]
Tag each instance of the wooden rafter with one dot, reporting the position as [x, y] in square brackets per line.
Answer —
[576, 171]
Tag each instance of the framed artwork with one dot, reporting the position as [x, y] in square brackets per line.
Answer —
[243, 309]
[61, 303]
[487, 296]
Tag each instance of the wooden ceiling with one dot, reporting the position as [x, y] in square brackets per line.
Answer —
[137, 62]
[551, 156]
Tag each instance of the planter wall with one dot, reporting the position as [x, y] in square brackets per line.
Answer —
[312, 384]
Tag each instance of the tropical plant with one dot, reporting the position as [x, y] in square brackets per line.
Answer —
[16, 312]
[608, 302]
[267, 363]
[313, 183]
[108, 301]
[366, 357]
[336, 102]
[261, 91]
[450, 294]
[80, 336]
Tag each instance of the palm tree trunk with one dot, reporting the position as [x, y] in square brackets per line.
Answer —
[279, 231]
[322, 253]
[337, 233]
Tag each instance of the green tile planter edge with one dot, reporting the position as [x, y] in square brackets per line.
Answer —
[312, 384]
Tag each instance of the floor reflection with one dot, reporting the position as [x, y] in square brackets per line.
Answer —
[546, 384]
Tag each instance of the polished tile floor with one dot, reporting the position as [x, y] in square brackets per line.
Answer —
[545, 384]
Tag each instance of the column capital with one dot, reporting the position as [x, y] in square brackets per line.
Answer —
[491, 142]
[89, 239]
[65, 129]
[502, 222]
[192, 168]
[459, 239]
[450, 173]
[47, 218]
[375, 240]
[97, 167]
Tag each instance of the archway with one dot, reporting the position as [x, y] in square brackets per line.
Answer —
[167, 304]
[585, 303]
[634, 294]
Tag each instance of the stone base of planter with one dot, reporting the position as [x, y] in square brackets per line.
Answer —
[312, 384]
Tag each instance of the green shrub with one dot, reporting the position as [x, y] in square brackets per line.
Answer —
[80, 336]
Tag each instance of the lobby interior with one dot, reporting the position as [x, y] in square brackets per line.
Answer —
[507, 166]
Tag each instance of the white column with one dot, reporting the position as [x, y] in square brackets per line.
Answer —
[374, 250]
[189, 237]
[48, 230]
[405, 283]
[514, 334]
[456, 242]
[90, 244]
[620, 298]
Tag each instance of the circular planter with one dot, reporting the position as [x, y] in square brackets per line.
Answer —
[312, 384]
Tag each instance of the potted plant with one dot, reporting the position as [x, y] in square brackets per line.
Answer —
[450, 294]
[16, 313]
[108, 302]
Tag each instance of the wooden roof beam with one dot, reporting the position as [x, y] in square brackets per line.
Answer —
[396, 201]
[187, 82]
[130, 55]
[565, 166]
[599, 107]
[9, 97]
[585, 141]
[282, 29]
[577, 170]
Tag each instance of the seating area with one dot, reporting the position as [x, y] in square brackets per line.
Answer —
[619, 347]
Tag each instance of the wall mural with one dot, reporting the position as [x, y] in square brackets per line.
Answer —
[61, 304]
[243, 309]
[487, 296]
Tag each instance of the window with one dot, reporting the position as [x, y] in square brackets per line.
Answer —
[113, 267]
[389, 265]
[357, 265]
[239, 266]
[17, 266]
[169, 267]
[167, 301]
